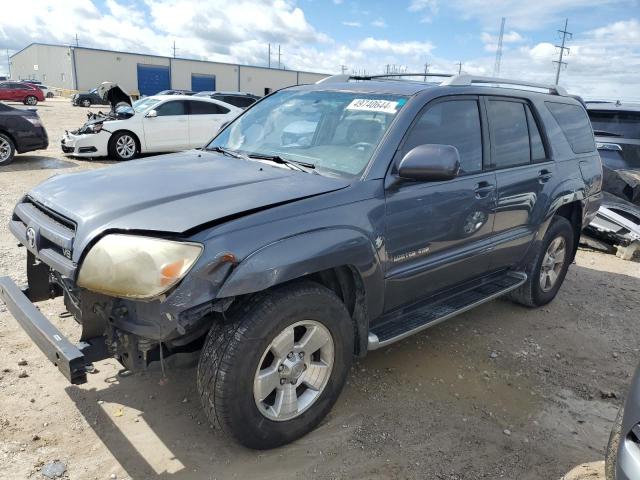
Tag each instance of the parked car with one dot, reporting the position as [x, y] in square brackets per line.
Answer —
[616, 126]
[622, 457]
[238, 99]
[282, 260]
[86, 99]
[161, 123]
[176, 92]
[21, 131]
[21, 92]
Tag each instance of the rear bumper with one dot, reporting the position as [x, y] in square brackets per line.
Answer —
[68, 357]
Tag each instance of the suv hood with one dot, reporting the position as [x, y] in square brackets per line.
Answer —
[173, 193]
[112, 93]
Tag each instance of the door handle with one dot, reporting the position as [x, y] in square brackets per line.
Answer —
[544, 175]
[483, 189]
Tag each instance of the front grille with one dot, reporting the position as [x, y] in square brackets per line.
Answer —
[46, 233]
[66, 149]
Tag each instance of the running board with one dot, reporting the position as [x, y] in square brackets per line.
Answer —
[401, 323]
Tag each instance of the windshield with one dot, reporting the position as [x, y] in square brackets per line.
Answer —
[337, 132]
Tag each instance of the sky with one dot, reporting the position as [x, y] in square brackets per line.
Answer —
[363, 36]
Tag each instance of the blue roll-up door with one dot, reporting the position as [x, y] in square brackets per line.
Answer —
[201, 83]
[153, 78]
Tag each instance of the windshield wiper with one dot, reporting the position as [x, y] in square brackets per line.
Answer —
[604, 133]
[226, 151]
[302, 166]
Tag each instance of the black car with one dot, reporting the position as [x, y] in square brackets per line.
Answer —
[616, 126]
[20, 131]
[86, 99]
[176, 92]
[237, 99]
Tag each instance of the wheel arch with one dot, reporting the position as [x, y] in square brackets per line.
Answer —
[343, 260]
[136, 137]
[573, 212]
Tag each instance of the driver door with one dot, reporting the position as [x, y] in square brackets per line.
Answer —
[169, 130]
[438, 234]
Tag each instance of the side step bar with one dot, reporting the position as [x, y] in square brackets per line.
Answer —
[400, 324]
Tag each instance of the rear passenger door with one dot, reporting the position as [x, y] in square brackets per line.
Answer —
[438, 234]
[205, 119]
[524, 175]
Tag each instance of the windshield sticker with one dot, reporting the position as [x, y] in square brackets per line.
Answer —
[371, 105]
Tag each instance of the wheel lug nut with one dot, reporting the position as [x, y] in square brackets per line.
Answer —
[281, 368]
[301, 354]
[290, 355]
[283, 381]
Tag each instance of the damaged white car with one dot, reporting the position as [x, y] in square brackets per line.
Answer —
[162, 123]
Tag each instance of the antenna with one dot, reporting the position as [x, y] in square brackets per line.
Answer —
[562, 48]
[496, 67]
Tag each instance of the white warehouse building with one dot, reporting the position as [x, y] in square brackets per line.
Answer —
[82, 68]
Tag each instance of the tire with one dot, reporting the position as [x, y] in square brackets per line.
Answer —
[49, 95]
[31, 100]
[531, 293]
[7, 150]
[117, 149]
[86, 102]
[237, 350]
[611, 455]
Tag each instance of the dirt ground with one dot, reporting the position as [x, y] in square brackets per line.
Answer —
[499, 392]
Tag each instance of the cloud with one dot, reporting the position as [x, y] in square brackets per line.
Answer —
[352, 24]
[380, 23]
[420, 5]
[371, 44]
[491, 41]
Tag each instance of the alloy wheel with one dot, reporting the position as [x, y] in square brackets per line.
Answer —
[126, 146]
[294, 370]
[5, 150]
[552, 263]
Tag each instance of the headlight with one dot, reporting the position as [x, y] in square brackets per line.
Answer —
[136, 267]
[95, 128]
[35, 121]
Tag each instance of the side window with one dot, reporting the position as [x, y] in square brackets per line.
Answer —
[509, 133]
[575, 125]
[538, 153]
[452, 122]
[244, 102]
[171, 108]
[624, 124]
[206, 108]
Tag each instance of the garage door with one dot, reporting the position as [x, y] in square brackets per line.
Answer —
[152, 79]
[200, 83]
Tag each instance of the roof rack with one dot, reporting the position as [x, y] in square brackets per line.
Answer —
[451, 80]
[464, 79]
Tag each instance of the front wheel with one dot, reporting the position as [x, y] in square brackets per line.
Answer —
[123, 146]
[31, 100]
[86, 102]
[7, 149]
[548, 267]
[272, 373]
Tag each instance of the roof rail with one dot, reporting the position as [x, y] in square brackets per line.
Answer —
[465, 79]
[346, 77]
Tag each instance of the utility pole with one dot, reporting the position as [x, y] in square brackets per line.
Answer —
[426, 70]
[459, 67]
[174, 49]
[9, 63]
[562, 48]
[278, 56]
[343, 68]
[269, 54]
[77, 43]
[496, 67]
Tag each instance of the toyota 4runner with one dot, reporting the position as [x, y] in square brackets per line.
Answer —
[325, 221]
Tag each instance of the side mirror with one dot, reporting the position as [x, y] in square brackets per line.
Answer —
[151, 114]
[430, 162]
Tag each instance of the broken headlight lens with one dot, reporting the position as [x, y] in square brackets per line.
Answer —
[136, 267]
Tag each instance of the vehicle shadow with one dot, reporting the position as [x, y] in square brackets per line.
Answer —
[26, 162]
[156, 429]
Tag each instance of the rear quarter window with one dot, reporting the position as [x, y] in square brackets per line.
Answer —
[575, 125]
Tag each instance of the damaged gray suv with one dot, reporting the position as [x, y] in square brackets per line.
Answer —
[325, 221]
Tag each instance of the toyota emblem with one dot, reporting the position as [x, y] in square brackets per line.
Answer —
[31, 238]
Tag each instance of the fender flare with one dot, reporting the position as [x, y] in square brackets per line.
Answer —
[308, 253]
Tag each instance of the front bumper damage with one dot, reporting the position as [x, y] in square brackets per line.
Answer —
[85, 145]
[71, 359]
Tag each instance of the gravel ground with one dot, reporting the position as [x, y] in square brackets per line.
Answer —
[499, 392]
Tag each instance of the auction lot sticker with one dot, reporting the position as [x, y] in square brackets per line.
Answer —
[372, 105]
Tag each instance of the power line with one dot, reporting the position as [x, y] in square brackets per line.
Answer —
[562, 48]
[496, 67]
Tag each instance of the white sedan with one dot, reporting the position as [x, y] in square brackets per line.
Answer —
[163, 123]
